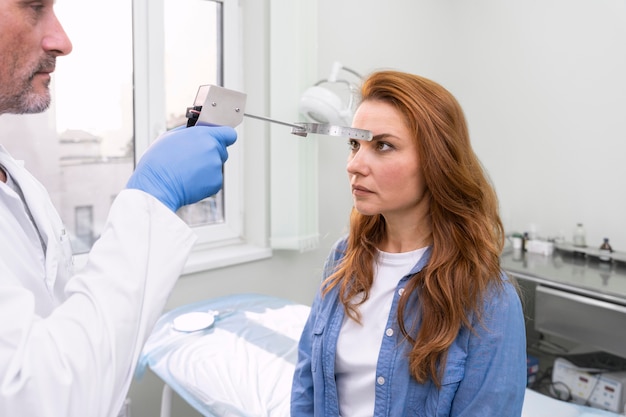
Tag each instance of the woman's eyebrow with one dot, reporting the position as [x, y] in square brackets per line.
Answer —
[381, 136]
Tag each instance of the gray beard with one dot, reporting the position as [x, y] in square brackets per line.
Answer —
[25, 103]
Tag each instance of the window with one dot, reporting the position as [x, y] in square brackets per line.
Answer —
[113, 95]
[97, 134]
[93, 115]
[189, 43]
[192, 49]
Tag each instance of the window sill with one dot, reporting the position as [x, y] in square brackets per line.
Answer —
[219, 257]
[209, 258]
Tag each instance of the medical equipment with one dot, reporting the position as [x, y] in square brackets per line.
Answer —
[595, 387]
[321, 103]
[215, 105]
[540, 405]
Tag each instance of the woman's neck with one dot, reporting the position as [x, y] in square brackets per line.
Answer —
[406, 239]
[408, 229]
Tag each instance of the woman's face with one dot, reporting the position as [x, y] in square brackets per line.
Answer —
[386, 174]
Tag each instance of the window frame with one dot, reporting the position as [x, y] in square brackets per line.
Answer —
[229, 242]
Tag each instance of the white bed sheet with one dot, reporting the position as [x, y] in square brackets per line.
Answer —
[242, 366]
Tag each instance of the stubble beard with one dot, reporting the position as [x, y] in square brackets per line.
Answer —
[23, 99]
[30, 102]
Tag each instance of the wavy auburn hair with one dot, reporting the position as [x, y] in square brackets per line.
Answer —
[467, 233]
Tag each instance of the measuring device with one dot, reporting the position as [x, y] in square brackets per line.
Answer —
[216, 105]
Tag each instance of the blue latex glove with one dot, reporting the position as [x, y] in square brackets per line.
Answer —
[184, 165]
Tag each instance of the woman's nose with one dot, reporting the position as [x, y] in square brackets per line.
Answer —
[356, 162]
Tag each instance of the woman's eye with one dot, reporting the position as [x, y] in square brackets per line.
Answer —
[383, 146]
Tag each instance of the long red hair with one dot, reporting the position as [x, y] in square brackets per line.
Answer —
[467, 233]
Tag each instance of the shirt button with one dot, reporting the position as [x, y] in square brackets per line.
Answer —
[389, 332]
[401, 291]
[380, 380]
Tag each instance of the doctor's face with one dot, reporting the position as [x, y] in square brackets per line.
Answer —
[31, 38]
[386, 174]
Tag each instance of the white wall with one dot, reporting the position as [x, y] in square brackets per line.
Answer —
[543, 86]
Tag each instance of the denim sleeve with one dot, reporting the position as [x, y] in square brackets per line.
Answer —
[495, 371]
[302, 395]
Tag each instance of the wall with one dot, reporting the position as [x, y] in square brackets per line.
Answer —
[542, 84]
[543, 88]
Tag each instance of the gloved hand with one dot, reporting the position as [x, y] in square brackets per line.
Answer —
[184, 165]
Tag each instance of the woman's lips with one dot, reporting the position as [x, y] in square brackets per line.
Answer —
[358, 190]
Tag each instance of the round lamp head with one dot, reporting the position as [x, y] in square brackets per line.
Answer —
[321, 105]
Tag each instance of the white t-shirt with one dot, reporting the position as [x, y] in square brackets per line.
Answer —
[358, 344]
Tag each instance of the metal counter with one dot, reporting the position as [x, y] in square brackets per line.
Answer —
[576, 297]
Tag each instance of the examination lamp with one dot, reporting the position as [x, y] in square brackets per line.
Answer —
[321, 103]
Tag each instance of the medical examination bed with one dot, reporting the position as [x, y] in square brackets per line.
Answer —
[235, 355]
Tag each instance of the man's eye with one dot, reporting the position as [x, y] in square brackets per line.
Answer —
[36, 8]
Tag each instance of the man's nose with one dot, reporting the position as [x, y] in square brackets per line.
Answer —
[56, 40]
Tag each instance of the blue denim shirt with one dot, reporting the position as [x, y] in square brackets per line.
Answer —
[485, 370]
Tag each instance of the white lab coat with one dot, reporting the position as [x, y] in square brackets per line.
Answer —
[69, 343]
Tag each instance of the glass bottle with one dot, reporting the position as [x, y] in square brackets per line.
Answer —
[605, 250]
[579, 236]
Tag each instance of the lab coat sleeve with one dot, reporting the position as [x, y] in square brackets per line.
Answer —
[495, 371]
[79, 361]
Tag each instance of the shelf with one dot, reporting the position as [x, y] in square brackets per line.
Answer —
[595, 252]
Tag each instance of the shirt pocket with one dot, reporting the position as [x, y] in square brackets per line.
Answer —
[439, 402]
[429, 401]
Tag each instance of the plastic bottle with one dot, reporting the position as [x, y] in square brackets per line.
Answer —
[517, 241]
[580, 236]
[605, 250]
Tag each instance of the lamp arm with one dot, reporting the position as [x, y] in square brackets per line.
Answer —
[353, 72]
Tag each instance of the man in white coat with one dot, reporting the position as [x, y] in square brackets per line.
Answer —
[69, 342]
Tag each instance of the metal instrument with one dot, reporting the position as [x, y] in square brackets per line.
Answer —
[216, 105]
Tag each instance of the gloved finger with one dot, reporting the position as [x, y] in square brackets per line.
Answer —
[224, 134]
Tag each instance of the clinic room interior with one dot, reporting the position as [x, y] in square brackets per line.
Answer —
[542, 84]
